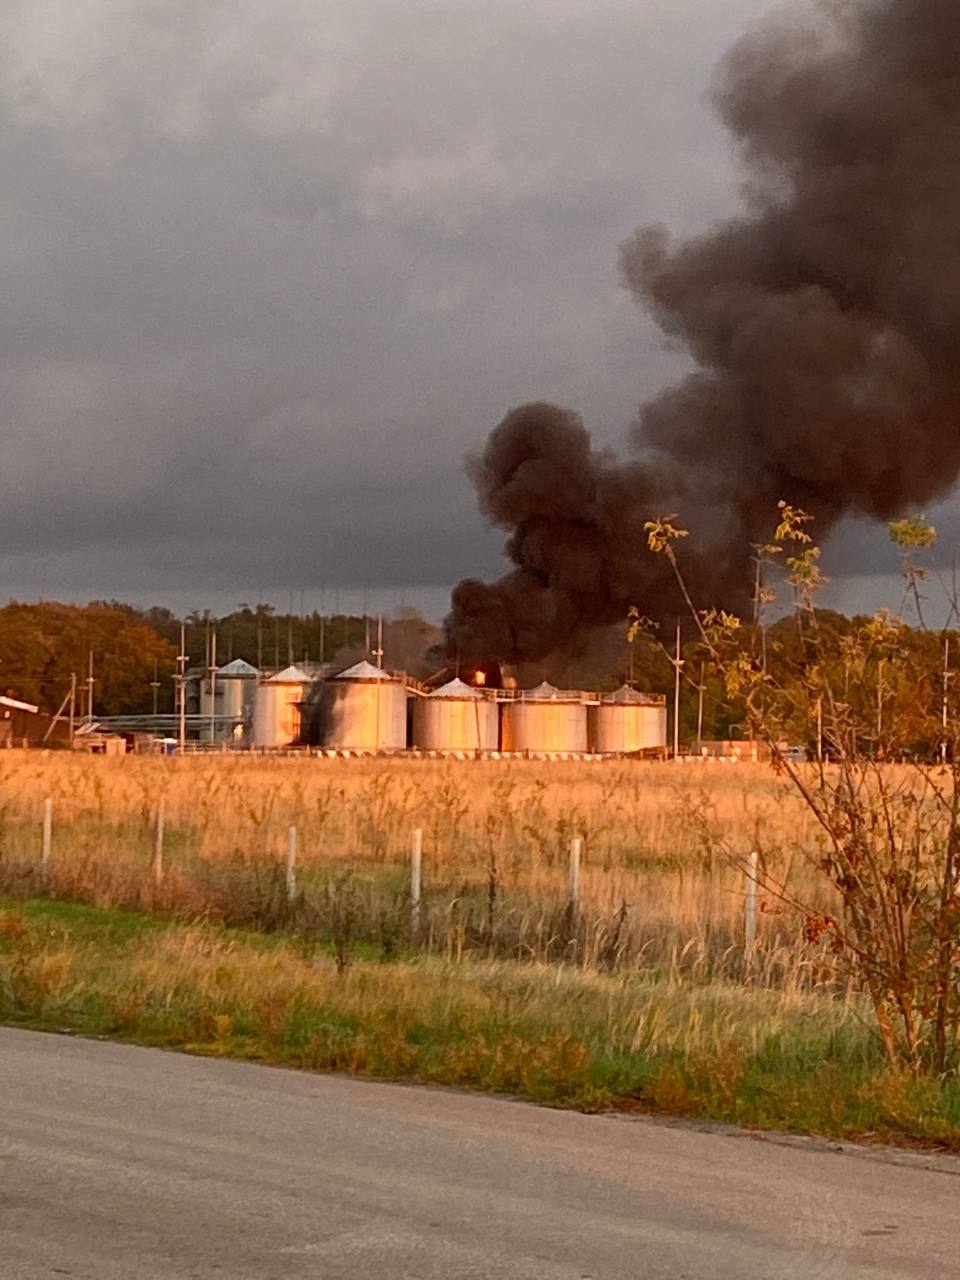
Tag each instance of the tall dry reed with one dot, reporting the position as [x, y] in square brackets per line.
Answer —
[655, 890]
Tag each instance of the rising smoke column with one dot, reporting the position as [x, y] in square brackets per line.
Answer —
[825, 324]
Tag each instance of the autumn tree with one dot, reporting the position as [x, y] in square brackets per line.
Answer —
[43, 645]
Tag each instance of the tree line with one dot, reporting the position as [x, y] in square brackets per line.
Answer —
[46, 646]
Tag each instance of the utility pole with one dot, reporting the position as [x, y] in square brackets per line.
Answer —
[213, 685]
[182, 687]
[155, 686]
[73, 704]
[678, 667]
[89, 684]
[379, 656]
[946, 687]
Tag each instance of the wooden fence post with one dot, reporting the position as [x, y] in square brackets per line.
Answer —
[416, 878]
[158, 845]
[750, 905]
[291, 863]
[576, 851]
[47, 844]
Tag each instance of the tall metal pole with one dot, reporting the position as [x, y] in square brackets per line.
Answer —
[678, 665]
[213, 685]
[90, 684]
[379, 657]
[73, 703]
[946, 686]
[182, 687]
[155, 685]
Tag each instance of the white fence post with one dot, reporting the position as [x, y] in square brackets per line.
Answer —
[158, 845]
[416, 878]
[750, 905]
[576, 851]
[291, 863]
[47, 844]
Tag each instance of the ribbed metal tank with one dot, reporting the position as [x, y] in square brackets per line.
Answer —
[628, 721]
[456, 717]
[230, 698]
[544, 720]
[363, 709]
[277, 713]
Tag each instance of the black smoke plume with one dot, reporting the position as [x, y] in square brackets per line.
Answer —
[825, 325]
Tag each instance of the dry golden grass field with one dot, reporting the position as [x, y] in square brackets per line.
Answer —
[642, 998]
[660, 875]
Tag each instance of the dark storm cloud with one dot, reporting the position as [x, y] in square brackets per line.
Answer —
[270, 269]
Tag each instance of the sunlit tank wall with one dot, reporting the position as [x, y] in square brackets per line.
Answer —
[456, 718]
[544, 721]
[233, 699]
[277, 714]
[364, 715]
[618, 728]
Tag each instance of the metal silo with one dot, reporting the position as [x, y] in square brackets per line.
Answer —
[545, 720]
[456, 717]
[228, 706]
[628, 721]
[364, 709]
[277, 714]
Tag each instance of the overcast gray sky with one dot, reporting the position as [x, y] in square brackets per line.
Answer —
[272, 267]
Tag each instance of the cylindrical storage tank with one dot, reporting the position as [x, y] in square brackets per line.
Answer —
[277, 708]
[626, 722]
[230, 696]
[545, 720]
[456, 717]
[364, 709]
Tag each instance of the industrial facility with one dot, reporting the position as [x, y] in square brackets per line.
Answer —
[367, 709]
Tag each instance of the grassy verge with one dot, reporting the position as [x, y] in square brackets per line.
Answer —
[770, 1059]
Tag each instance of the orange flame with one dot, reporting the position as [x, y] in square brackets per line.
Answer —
[480, 678]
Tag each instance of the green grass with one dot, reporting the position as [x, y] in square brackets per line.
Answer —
[562, 1036]
[84, 923]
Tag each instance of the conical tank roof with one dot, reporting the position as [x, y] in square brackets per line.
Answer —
[238, 669]
[627, 696]
[290, 675]
[456, 689]
[545, 692]
[363, 671]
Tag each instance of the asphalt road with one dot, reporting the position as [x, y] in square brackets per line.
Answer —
[119, 1163]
